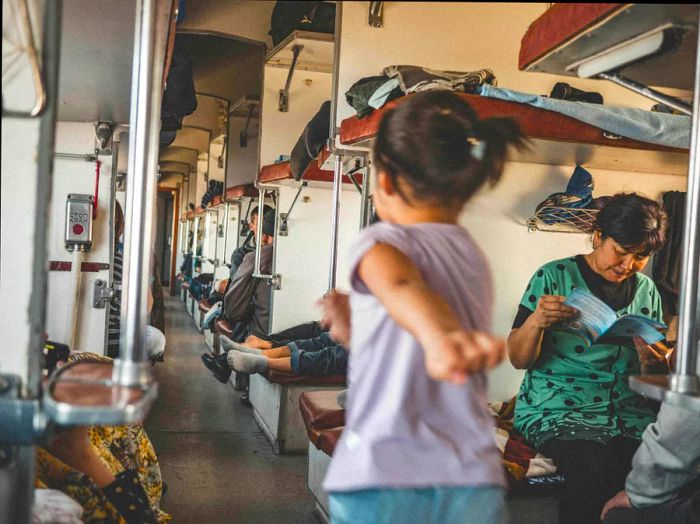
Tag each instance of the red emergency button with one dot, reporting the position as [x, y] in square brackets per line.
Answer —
[78, 229]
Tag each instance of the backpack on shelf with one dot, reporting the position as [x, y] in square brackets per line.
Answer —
[287, 17]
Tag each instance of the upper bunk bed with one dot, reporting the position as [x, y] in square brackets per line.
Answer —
[554, 138]
[317, 171]
[649, 44]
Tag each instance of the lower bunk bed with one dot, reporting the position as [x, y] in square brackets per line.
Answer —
[534, 487]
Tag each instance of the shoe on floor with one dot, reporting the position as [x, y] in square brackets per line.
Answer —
[220, 369]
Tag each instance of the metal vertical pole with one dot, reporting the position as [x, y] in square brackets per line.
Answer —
[144, 124]
[335, 219]
[685, 380]
[227, 217]
[207, 236]
[259, 232]
[364, 205]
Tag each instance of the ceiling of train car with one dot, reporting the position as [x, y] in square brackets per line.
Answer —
[193, 138]
[180, 154]
[97, 43]
[224, 67]
[210, 114]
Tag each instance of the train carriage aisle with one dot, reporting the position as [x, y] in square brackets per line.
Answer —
[216, 462]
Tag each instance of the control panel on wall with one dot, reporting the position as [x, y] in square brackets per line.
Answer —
[78, 235]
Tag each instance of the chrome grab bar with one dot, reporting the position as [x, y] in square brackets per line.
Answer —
[39, 87]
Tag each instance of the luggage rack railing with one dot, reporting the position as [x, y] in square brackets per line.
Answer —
[563, 220]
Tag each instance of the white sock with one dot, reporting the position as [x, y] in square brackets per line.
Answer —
[246, 363]
[229, 345]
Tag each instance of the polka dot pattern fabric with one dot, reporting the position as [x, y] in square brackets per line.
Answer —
[576, 391]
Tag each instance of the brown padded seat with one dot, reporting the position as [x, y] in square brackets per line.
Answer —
[329, 438]
[277, 377]
[224, 328]
[204, 305]
[320, 411]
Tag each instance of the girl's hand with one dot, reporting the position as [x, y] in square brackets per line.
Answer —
[654, 355]
[455, 355]
[336, 316]
[551, 310]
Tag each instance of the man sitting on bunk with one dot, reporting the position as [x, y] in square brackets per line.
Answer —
[237, 257]
[664, 484]
[319, 356]
[247, 300]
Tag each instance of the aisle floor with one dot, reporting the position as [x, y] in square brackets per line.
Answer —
[217, 463]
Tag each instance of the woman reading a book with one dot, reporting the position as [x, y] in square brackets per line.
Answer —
[575, 404]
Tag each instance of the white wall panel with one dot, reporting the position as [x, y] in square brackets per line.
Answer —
[303, 257]
[280, 131]
[77, 176]
[242, 161]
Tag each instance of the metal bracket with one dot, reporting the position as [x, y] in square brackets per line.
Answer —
[103, 138]
[101, 294]
[284, 93]
[243, 140]
[376, 14]
[284, 226]
[275, 282]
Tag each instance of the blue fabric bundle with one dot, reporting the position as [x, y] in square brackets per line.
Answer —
[637, 124]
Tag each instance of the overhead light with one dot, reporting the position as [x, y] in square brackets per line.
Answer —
[621, 54]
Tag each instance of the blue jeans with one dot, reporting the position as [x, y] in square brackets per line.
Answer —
[465, 505]
[318, 356]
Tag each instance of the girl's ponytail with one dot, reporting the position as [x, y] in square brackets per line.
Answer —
[436, 144]
[494, 136]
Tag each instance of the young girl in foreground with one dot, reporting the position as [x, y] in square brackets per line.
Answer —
[418, 442]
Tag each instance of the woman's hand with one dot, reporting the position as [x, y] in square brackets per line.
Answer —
[454, 356]
[336, 316]
[652, 357]
[551, 310]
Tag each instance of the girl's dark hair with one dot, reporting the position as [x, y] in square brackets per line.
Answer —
[638, 224]
[434, 142]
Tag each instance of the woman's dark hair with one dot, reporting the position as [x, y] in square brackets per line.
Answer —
[434, 142]
[638, 224]
[254, 211]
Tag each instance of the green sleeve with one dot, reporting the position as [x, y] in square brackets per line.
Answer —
[540, 284]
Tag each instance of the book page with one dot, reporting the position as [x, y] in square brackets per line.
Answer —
[629, 326]
[595, 316]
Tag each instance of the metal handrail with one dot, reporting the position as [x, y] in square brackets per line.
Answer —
[37, 75]
[144, 123]
[685, 379]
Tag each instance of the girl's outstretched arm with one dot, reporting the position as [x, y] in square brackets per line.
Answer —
[451, 353]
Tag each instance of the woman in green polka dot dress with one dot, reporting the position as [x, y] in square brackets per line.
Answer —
[575, 404]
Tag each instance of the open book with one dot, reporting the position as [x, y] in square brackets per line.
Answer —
[599, 323]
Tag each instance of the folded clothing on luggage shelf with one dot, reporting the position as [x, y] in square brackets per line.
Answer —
[372, 92]
[214, 188]
[629, 122]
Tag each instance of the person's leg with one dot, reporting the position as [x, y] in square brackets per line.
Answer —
[314, 344]
[155, 343]
[585, 466]
[680, 511]
[257, 343]
[483, 505]
[329, 361]
[229, 345]
[282, 352]
[301, 332]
